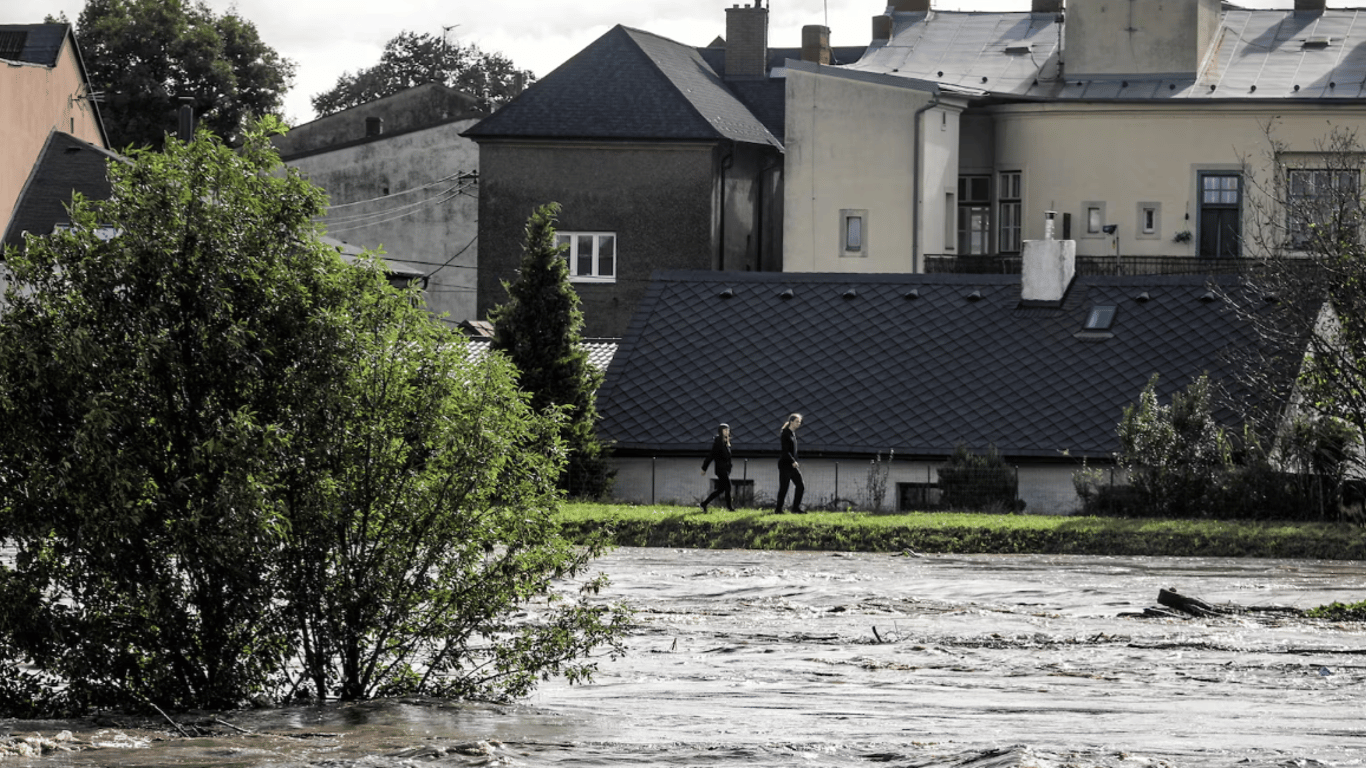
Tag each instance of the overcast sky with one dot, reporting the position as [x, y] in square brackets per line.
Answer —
[326, 38]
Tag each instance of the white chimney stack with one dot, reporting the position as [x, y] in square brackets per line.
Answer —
[1047, 266]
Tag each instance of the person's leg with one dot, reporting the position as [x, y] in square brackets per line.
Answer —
[798, 488]
[784, 479]
[723, 481]
[715, 493]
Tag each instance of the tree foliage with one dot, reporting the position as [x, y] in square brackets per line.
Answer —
[234, 465]
[1309, 362]
[540, 329]
[411, 59]
[1174, 454]
[145, 55]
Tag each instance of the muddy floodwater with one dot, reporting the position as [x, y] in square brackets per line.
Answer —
[746, 658]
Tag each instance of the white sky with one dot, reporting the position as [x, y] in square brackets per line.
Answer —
[328, 37]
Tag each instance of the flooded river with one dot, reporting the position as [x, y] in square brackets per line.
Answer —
[820, 659]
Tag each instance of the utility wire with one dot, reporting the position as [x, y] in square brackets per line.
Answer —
[457, 175]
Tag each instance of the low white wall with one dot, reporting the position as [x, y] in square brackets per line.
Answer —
[1045, 489]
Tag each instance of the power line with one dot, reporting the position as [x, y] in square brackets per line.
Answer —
[457, 175]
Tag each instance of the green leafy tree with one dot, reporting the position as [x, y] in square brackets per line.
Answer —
[412, 59]
[540, 329]
[1175, 454]
[234, 465]
[981, 482]
[146, 55]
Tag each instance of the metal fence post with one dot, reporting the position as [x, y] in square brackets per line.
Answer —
[652, 480]
[837, 481]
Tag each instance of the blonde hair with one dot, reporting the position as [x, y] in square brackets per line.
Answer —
[789, 420]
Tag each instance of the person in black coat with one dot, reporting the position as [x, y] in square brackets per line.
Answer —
[789, 472]
[720, 456]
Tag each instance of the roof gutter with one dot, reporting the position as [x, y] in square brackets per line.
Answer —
[917, 183]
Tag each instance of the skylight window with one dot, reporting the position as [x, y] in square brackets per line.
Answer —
[1102, 316]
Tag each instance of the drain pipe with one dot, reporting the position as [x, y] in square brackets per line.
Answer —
[916, 183]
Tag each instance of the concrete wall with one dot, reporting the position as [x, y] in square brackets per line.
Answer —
[1122, 156]
[667, 203]
[1044, 488]
[397, 192]
[850, 147]
[34, 101]
[1138, 37]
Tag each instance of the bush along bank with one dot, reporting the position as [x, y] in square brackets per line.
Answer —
[961, 533]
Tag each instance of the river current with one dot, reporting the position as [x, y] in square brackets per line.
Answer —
[749, 658]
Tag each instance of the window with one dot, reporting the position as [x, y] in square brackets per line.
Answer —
[1093, 218]
[1221, 212]
[1149, 221]
[1102, 316]
[974, 215]
[1319, 203]
[1010, 196]
[592, 255]
[853, 232]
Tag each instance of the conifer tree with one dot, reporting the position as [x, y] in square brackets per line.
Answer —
[540, 328]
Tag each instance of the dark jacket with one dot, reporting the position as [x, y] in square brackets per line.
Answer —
[789, 456]
[720, 453]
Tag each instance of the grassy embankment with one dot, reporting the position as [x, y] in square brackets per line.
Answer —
[963, 533]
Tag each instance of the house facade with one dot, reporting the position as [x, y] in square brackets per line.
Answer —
[401, 178]
[661, 156]
[43, 88]
[1159, 131]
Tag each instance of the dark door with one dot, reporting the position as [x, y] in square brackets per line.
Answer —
[1221, 213]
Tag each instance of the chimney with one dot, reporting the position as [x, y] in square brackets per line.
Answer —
[882, 27]
[1143, 39]
[185, 130]
[1313, 6]
[747, 41]
[374, 126]
[816, 44]
[909, 6]
[1047, 6]
[1047, 266]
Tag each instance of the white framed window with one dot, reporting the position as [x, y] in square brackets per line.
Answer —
[1010, 205]
[592, 256]
[1149, 226]
[853, 232]
[1093, 218]
[1320, 204]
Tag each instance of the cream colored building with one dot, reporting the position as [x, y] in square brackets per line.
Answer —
[43, 88]
[1148, 127]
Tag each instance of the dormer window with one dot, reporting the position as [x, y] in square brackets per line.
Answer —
[1101, 317]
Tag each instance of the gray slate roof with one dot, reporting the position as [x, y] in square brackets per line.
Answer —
[873, 370]
[629, 84]
[1261, 54]
[32, 43]
[65, 165]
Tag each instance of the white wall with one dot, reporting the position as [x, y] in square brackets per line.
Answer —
[1125, 155]
[850, 146]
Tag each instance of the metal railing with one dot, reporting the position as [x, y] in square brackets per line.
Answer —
[1009, 264]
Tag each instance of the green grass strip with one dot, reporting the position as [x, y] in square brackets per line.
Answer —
[961, 533]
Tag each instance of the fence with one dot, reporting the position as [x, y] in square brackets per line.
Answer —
[888, 485]
[1092, 265]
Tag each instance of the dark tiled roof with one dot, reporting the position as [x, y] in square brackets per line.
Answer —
[1260, 55]
[32, 43]
[628, 84]
[873, 370]
[65, 165]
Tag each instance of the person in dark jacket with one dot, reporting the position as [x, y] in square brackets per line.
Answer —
[720, 456]
[789, 472]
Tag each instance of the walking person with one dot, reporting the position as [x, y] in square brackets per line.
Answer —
[789, 471]
[720, 456]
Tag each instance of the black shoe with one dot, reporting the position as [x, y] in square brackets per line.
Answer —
[730, 509]
[798, 511]
[704, 506]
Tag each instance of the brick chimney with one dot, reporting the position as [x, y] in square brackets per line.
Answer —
[816, 44]
[1313, 6]
[747, 41]
[909, 6]
[1046, 6]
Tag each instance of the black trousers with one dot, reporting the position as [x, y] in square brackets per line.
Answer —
[790, 475]
[722, 486]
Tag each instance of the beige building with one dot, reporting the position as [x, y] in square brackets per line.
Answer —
[1148, 127]
[43, 88]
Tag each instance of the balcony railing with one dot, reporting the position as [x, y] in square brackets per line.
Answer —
[1090, 265]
